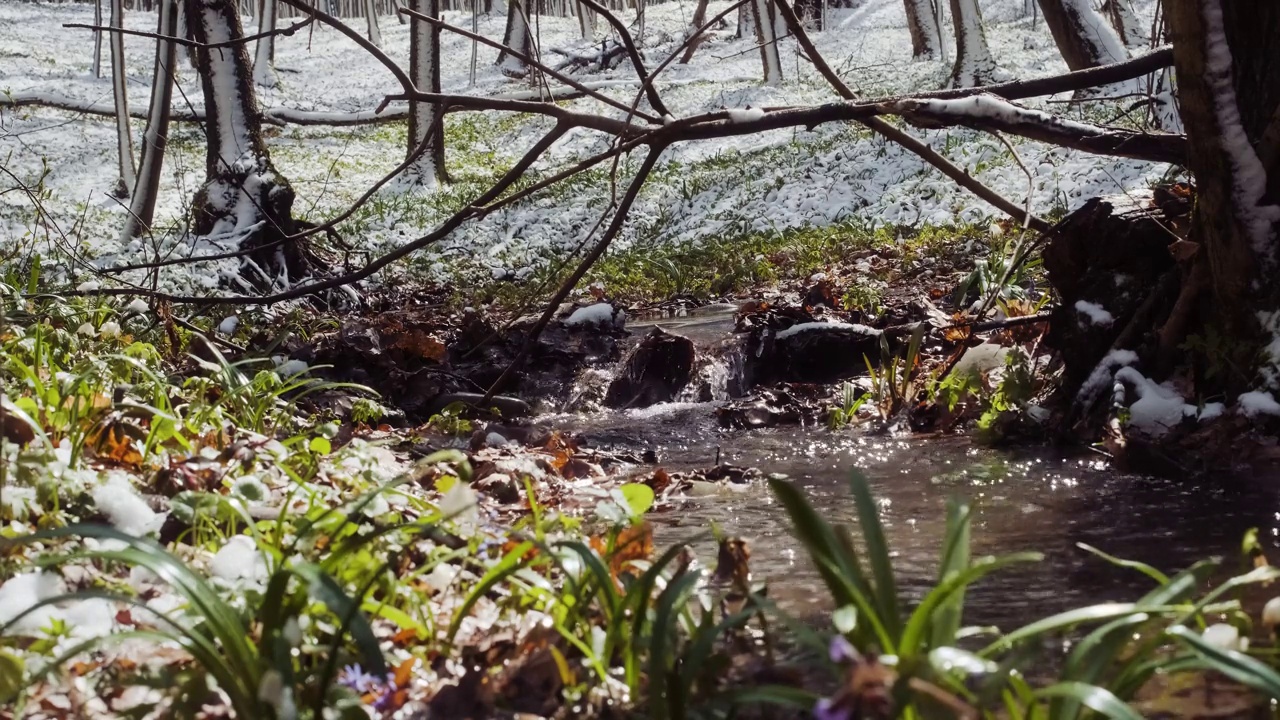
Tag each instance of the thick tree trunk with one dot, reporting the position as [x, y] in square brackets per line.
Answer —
[1083, 36]
[766, 22]
[974, 65]
[926, 36]
[371, 18]
[424, 69]
[143, 204]
[1229, 85]
[264, 54]
[517, 37]
[244, 200]
[124, 133]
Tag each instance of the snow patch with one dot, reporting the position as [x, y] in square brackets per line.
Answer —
[239, 562]
[1097, 314]
[1159, 407]
[743, 115]
[825, 326]
[598, 314]
[1256, 403]
[125, 509]
[1102, 374]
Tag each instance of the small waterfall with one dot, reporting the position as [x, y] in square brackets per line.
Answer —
[710, 381]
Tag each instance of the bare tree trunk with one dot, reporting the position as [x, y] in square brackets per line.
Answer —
[424, 70]
[97, 39]
[517, 37]
[699, 19]
[371, 17]
[926, 36]
[264, 54]
[766, 23]
[974, 65]
[1083, 36]
[1126, 23]
[124, 133]
[1229, 82]
[143, 204]
[244, 200]
[587, 20]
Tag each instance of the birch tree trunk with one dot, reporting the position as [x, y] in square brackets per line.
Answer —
[767, 37]
[244, 200]
[142, 206]
[974, 65]
[517, 37]
[1229, 85]
[371, 16]
[124, 133]
[1082, 35]
[926, 36]
[264, 52]
[97, 39]
[424, 69]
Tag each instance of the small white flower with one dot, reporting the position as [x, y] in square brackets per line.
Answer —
[1225, 637]
[271, 688]
[138, 306]
[109, 329]
[86, 330]
[87, 286]
[1271, 613]
[292, 632]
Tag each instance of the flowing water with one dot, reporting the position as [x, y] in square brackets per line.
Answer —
[1023, 499]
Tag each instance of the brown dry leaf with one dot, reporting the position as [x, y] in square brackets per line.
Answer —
[956, 334]
[733, 563]
[633, 543]
[405, 637]
[660, 481]
[421, 344]
[113, 441]
[14, 430]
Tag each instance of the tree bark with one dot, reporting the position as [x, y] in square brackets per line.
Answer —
[974, 65]
[1082, 35]
[424, 70]
[765, 19]
[371, 17]
[1126, 23]
[926, 36]
[746, 21]
[244, 199]
[143, 203]
[699, 19]
[97, 39]
[518, 37]
[1229, 86]
[264, 54]
[587, 20]
[124, 133]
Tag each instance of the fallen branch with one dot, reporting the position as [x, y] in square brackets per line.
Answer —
[288, 31]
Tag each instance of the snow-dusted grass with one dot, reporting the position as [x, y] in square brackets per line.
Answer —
[776, 182]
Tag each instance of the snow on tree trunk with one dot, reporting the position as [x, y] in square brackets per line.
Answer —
[518, 38]
[1132, 32]
[765, 20]
[1229, 90]
[97, 39]
[142, 206]
[974, 65]
[244, 201]
[926, 36]
[424, 70]
[1083, 36]
[371, 16]
[124, 133]
[264, 54]
[587, 21]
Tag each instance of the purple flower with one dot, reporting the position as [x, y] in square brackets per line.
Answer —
[841, 651]
[829, 709]
[354, 677]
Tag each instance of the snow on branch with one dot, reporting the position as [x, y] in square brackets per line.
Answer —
[988, 112]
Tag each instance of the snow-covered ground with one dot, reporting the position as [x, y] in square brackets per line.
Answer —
[732, 187]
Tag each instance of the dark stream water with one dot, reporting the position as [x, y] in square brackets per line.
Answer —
[1023, 499]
